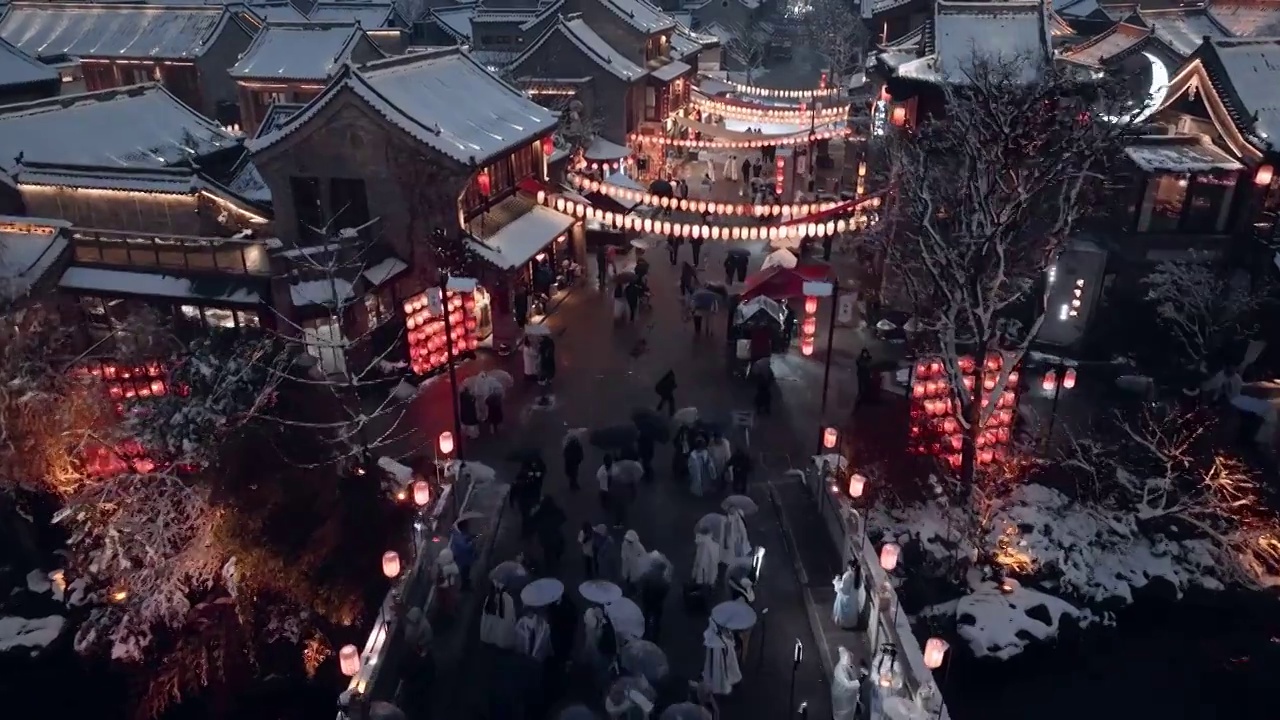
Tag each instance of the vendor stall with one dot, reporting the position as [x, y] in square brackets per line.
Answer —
[783, 283]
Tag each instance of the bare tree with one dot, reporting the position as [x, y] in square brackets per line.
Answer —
[838, 35]
[748, 46]
[578, 126]
[983, 200]
[1201, 307]
[1165, 470]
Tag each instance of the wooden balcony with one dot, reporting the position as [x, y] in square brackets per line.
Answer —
[187, 254]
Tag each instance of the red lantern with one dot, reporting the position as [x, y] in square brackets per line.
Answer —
[1050, 381]
[1069, 379]
[1263, 176]
[446, 443]
[157, 388]
[806, 346]
[548, 146]
[829, 437]
[483, 182]
[809, 326]
[811, 305]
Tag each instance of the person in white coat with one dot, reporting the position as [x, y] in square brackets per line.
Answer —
[720, 670]
[633, 559]
[845, 687]
[731, 168]
[706, 559]
[533, 636]
[737, 546]
[720, 451]
[498, 618]
[529, 359]
[850, 597]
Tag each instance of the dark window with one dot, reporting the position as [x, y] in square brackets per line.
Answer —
[1208, 202]
[348, 203]
[1162, 205]
[307, 209]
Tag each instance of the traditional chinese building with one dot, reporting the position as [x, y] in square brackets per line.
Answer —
[292, 63]
[188, 49]
[423, 153]
[24, 78]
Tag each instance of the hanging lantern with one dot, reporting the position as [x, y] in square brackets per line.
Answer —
[809, 326]
[391, 564]
[1050, 381]
[349, 660]
[1069, 379]
[1262, 178]
[935, 649]
[857, 484]
[548, 146]
[446, 443]
[810, 304]
[806, 346]
[889, 553]
[830, 437]
[421, 493]
[483, 182]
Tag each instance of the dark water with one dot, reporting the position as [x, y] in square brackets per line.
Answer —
[1202, 657]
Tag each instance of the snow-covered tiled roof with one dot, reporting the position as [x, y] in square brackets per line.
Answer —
[595, 48]
[1252, 67]
[515, 240]
[1247, 19]
[17, 68]
[1182, 29]
[126, 282]
[1180, 154]
[549, 9]
[640, 14]
[141, 126]
[1076, 8]
[670, 71]
[444, 98]
[370, 15]
[455, 20]
[248, 183]
[114, 31]
[495, 59]
[305, 51]
[29, 248]
[1117, 39]
[991, 30]
[277, 12]
[277, 115]
[163, 181]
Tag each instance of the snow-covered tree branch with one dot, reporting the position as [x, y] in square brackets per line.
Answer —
[984, 198]
[838, 35]
[748, 46]
[1164, 470]
[1201, 308]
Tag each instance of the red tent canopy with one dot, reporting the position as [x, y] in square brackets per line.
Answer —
[782, 283]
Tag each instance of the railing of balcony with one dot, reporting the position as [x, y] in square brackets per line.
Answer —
[187, 253]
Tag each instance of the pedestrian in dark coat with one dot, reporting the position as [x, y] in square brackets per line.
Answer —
[602, 264]
[468, 413]
[547, 360]
[633, 293]
[573, 455]
[740, 465]
[764, 396]
[673, 248]
[757, 168]
[653, 598]
[730, 268]
[696, 246]
[866, 379]
[493, 404]
[746, 171]
[520, 307]
[688, 277]
[549, 519]
[645, 449]
[666, 389]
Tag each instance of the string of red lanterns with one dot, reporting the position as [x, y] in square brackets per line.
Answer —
[701, 231]
[424, 322]
[781, 93]
[809, 327]
[792, 211]
[754, 143]
[799, 116]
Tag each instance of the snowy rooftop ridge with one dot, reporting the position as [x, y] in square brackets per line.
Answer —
[1251, 68]
[1116, 42]
[1247, 19]
[454, 20]
[298, 51]
[959, 32]
[596, 48]
[139, 126]
[29, 247]
[444, 98]
[1182, 29]
[369, 15]
[113, 31]
[641, 15]
[18, 68]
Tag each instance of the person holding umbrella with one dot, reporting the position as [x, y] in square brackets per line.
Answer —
[529, 359]
[603, 476]
[632, 560]
[463, 548]
[468, 415]
[632, 293]
[673, 248]
[654, 582]
[587, 543]
[493, 412]
[573, 454]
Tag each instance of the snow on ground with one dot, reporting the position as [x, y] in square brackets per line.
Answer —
[38, 581]
[1002, 623]
[481, 474]
[33, 634]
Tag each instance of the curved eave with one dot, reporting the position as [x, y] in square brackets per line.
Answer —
[1245, 145]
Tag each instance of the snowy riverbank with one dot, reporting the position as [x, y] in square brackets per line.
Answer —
[1076, 563]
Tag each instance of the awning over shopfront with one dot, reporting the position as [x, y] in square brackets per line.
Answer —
[1164, 155]
[782, 283]
[383, 272]
[98, 281]
[670, 71]
[516, 229]
[603, 150]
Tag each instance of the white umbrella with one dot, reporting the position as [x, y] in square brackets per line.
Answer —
[600, 592]
[627, 692]
[580, 434]
[627, 471]
[503, 377]
[482, 385]
[685, 416]
[627, 618]
[539, 330]
[713, 524]
[645, 659]
[782, 258]
[734, 615]
[685, 711]
[740, 502]
[541, 592]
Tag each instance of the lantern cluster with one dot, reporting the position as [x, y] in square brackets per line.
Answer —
[779, 93]
[797, 116]
[762, 142]
[788, 211]
[626, 221]
[124, 382]
[808, 325]
[424, 321]
[609, 166]
[935, 427]
[779, 174]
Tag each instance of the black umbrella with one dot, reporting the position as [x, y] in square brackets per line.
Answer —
[661, 188]
[650, 424]
[617, 436]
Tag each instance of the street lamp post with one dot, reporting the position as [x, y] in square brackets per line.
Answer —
[1060, 377]
[831, 290]
[457, 284]
[797, 656]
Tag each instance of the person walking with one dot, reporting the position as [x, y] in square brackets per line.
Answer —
[696, 246]
[697, 316]
[730, 269]
[688, 275]
[546, 360]
[520, 306]
[739, 471]
[463, 547]
[602, 264]
[746, 174]
[645, 448]
[549, 520]
[764, 394]
[529, 359]
[468, 414]
[632, 560]
[633, 292]
[666, 389]
[573, 454]
[603, 476]
[866, 380]
[587, 545]
[493, 404]
[673, 249]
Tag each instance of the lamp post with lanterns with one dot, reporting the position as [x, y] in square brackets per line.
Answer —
[808, 328]
[1060, 377]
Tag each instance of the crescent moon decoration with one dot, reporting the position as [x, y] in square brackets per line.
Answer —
[1155, 95]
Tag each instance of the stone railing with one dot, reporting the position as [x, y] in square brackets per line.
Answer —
[888, 624]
